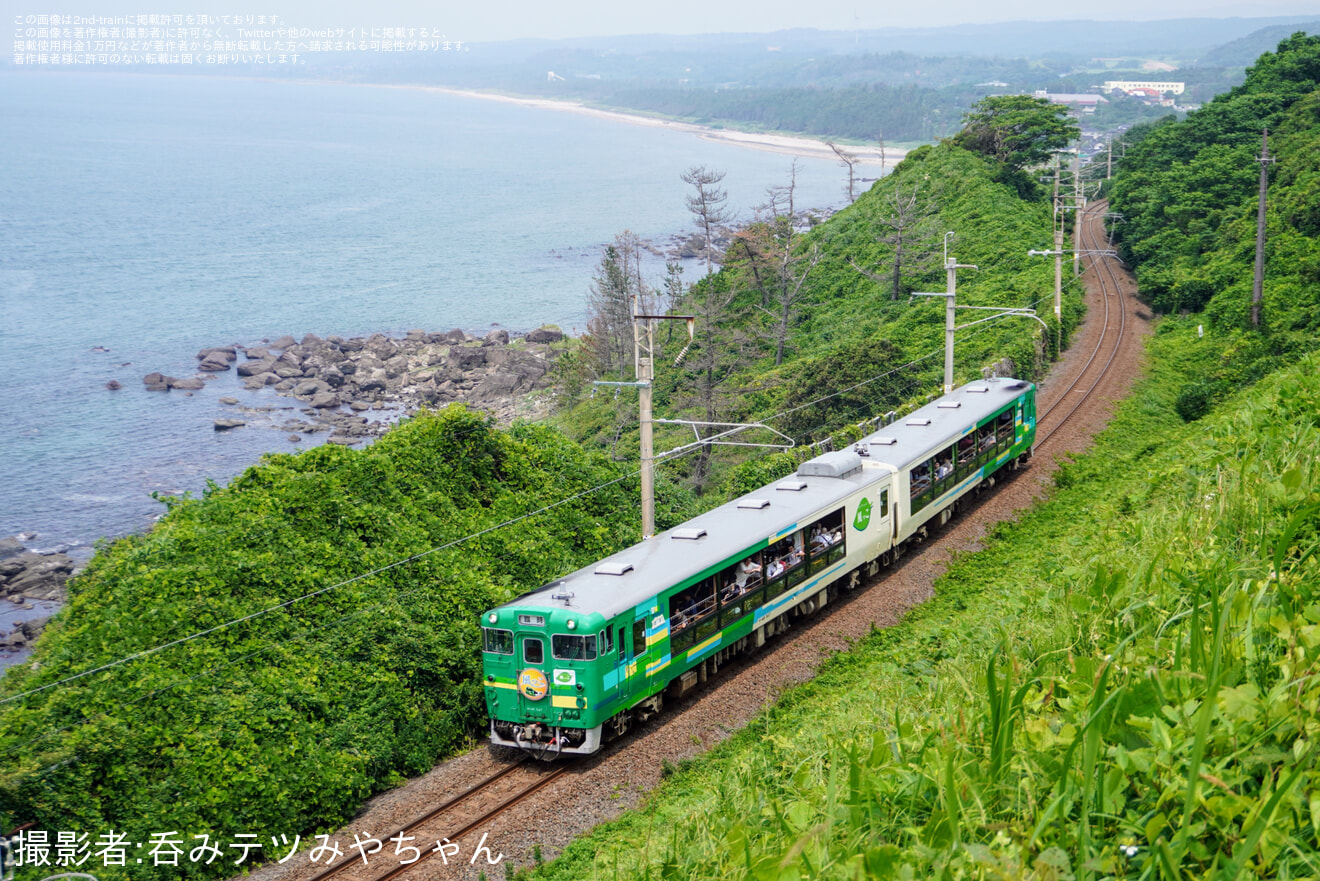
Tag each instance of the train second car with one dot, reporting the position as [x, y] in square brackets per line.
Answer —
[586, 657]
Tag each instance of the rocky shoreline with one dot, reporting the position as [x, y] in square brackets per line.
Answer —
[355, 387]
[30, 581]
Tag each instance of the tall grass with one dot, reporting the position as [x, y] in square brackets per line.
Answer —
[1123, 685]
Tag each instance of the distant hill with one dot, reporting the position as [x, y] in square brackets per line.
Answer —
[1186, 38]
[1245, 50]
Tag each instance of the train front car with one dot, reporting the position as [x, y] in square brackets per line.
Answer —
[543, 669]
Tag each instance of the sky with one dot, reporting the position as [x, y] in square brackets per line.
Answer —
[515, 19]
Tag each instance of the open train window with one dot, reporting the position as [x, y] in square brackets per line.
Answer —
[884, 503]
[498, 642]
[826, 540]
[533, 651]
[573, 648]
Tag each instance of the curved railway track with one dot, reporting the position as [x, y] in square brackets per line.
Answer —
[1104, 271]
[437, 834]
[489, 803]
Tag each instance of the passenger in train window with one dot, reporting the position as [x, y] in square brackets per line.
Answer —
[776, 569]
[747, 569]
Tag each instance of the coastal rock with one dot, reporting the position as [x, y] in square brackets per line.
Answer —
[455, 337]
[325, 400]
[544, 335]
[10, 547]
[310, 387]
[227, 424]
[499, 337]
[465, 359]
[257, 354]
[214, 364]
[186, 384]
[252, 368]
[228, 400]
[311, 339]
[284, 342]
[294, 438]
[114, 385]
[342, 440]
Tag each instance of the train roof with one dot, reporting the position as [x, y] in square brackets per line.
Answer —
[940, 423]
[622, 581]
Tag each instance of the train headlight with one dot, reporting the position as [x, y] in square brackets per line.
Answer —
[572, 625]
[493, 618]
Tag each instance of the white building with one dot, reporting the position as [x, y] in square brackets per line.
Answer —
[1130, 85]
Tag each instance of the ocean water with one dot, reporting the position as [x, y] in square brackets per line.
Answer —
[145, 217]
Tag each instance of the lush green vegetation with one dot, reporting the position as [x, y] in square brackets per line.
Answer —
[343, 673]
[1188, 195]
[1122, 685]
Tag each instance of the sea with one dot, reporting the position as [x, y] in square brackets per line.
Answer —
[145, 217]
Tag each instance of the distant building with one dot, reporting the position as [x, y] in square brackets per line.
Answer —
[994, 84]
[1131, 86]
[1086, 103]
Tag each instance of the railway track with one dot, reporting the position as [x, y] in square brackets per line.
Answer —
[1105, 271]
[441, 833]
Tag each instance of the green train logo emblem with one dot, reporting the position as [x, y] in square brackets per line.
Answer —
[863, 515]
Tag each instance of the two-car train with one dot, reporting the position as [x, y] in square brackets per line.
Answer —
[583, 658]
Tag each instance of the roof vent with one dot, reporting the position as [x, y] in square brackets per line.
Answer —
[691, 533]
[884, 441]
[918, 422]
[613, 569]
[977, 390]
[949, 405]
[792, 486]
[840, 463]
[754, 504]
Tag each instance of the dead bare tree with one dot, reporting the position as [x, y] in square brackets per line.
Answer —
[849, 161]
[709, 205]
[777, 263]
[908, 215]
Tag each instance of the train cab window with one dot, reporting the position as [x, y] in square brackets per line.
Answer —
[497, 642]
[606, 638]
[533, 651]
[884, 504]
[573, 648]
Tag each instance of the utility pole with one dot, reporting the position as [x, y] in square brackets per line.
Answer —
[643, 352]
[644, 367]
[1058, 262]
[950, 294]
[1109, 159]
[1079, 202]
[1258, 280]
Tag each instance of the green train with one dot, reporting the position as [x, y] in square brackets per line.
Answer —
[584, 658]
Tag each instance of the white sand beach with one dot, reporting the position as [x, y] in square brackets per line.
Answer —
[775, 143]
